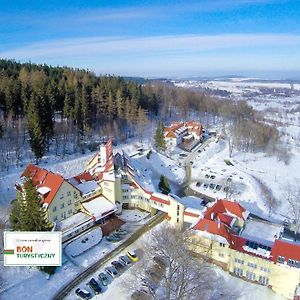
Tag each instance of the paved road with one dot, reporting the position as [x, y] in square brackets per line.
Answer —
[68, 287]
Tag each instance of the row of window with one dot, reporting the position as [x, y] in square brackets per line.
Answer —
[255, 246]
[63, 215]
[62, 196]
[290, 262]
[62, 205]
[251, 276]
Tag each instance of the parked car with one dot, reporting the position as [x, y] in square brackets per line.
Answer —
[212, 177]
[198, 183]
[218, 187]
[121, 231]
[94, 285]
[125, 260]
[113, 238]
[207, 176]
[199, 151]
[83, 294]
[112, 271]
[119, 267]
[212, 186]
[205, 186]
[103, 279]
[132, 255]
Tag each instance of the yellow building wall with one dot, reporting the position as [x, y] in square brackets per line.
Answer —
[108, 190]
[92, 163]
[65, 203]
[282, 279]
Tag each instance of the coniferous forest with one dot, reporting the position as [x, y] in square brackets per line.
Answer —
[61, 110]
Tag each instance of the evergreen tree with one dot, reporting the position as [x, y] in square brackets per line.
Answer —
[164, 185]
[26, 212]
[160, 142]
[36, 136]
[119, 104]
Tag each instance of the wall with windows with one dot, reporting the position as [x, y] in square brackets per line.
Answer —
[281, 278]
[108, 190]
[65, 203]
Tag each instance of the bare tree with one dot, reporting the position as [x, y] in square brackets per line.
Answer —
[292, 195]
[169, 270]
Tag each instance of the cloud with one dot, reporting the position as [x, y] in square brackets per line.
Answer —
[155, 45]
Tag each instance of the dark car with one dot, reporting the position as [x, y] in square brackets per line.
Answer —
[125, 260]
[83, 294]
[103, 279]
[218, 187]
[94, 285]
[112, 272]
[117, 265]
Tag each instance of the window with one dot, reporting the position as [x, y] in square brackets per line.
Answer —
[69, 193]
[238, 272]
[177, 220]
[250, 276]
[266, 270]
[62, 205]
[70, 202]
[55, 218]
[222, 244]
[54, 209]
[291, 263]
[62, 196]
[252, 265]
[177, 213]
[70, 211]
[281, 259]
[263, 280]
[239, 261]
[75, 195]
[221, 254]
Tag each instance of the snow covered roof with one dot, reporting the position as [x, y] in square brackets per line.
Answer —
[99, 207]
[158, 197]
[192, 202]
[72, 221]
[43, 190]
[88, 187]
[261, 232]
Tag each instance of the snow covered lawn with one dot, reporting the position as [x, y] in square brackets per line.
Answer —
[84, 243]
[133, 215]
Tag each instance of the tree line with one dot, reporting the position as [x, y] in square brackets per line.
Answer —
[61, 110]
[40, 99]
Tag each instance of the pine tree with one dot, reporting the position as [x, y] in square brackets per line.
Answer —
[36, 136]
[119, 104]
[160, 142]
[26, 213]
[164, 185]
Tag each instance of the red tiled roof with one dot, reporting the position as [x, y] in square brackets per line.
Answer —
[286, 249]
[43, 178]
[157, 199]
[213, 228]
[223, 207]
[86, 176]
[225, 219]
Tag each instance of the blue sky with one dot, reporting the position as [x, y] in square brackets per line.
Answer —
[156, 38]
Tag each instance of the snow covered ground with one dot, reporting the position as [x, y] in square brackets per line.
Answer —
[84, 243]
